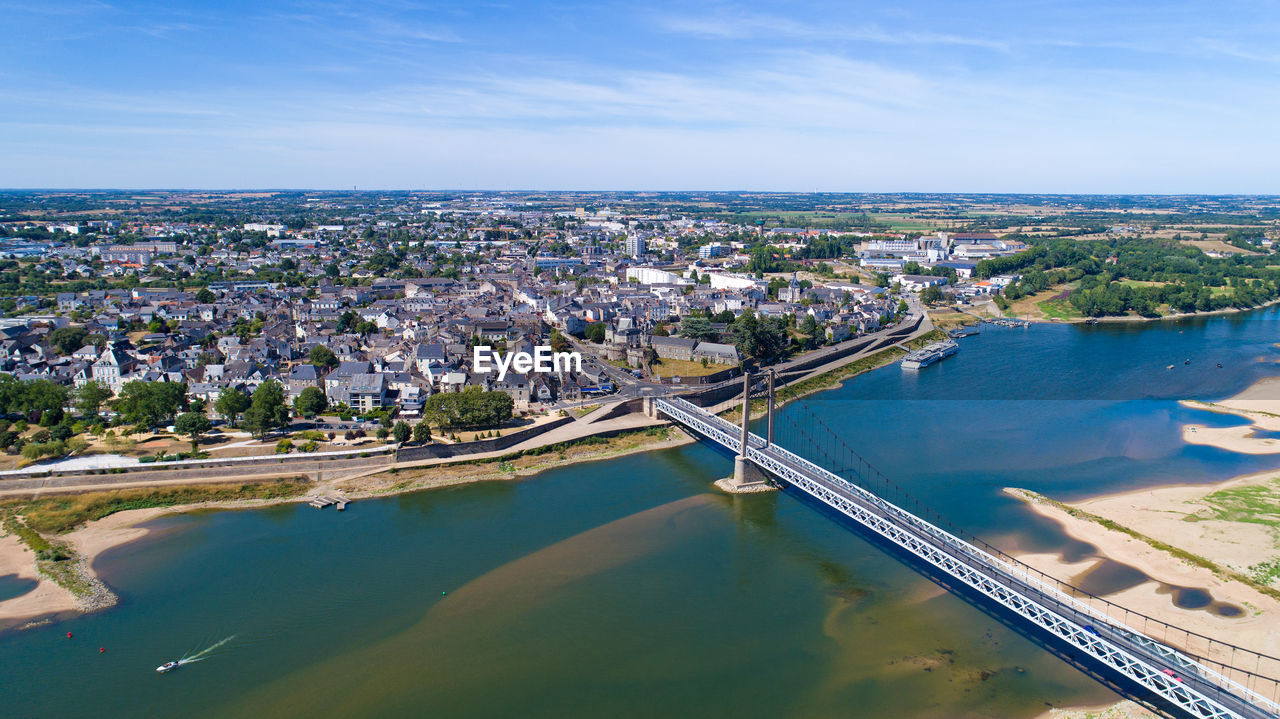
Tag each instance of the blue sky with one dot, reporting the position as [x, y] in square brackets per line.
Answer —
[1028, 96]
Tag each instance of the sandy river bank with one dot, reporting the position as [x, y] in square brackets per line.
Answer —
[1259, 404]
[1223, 539]
[48, 598]
[1182, 518]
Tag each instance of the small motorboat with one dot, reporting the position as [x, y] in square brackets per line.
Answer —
[1187, 362]
[167, 667]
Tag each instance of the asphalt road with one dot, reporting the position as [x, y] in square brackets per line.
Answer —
[630, 387]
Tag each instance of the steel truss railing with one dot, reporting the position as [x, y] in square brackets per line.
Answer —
[1111, 643]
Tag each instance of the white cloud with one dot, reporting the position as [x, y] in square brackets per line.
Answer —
[742, 25]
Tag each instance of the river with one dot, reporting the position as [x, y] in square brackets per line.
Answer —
[629, 587]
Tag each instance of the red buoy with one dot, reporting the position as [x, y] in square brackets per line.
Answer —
[102, 650]
[68, 635]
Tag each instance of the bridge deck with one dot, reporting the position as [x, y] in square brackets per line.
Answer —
[1184, 682]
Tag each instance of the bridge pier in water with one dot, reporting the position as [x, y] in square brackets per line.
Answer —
[747, 477]
[1166, 677]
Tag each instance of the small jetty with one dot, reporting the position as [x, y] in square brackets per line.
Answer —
[1008, 322]
[323, 501]
[964, 331]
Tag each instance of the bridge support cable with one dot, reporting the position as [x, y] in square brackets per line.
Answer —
[1192, 687]
[1242, 666]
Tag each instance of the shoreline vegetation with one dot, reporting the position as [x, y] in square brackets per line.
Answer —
[1107, 319]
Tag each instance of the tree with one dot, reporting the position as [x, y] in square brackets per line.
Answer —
[322, 356]
[762, 338]
[231, 403]
[32, 398]
[67, 339]
[697, 328]
[809, 326]
[311, 402]
[559, 343]
[192, 424]
[267, 410]
[205, 296]
[422, 433]
[91, 397]
[347, 322]
[401, 432]
[149, 403]
[931, 295]
[472, 407]
[595, 332]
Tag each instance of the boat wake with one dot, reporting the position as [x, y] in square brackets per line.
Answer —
[205, 653]
[199, 656]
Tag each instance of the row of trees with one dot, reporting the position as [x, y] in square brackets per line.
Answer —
[32, 399]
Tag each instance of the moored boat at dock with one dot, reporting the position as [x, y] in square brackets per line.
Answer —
[930, 354]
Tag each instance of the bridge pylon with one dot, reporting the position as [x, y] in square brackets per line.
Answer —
[747, 477]
[768, 435]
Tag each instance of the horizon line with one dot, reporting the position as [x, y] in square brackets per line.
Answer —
[645, 191]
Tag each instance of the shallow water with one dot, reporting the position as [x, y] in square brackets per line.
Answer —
[628, 588]
[11, 585]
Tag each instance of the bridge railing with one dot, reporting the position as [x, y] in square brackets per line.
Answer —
[1254, 670]
[1218, 662]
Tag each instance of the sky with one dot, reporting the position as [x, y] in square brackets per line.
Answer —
[974, 96]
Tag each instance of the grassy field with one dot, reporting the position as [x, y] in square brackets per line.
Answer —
[684, 368]
[1058, 309]
[906, 223]
[951, 320]
[1256, 504]
[1029, 307]
[585, 410]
